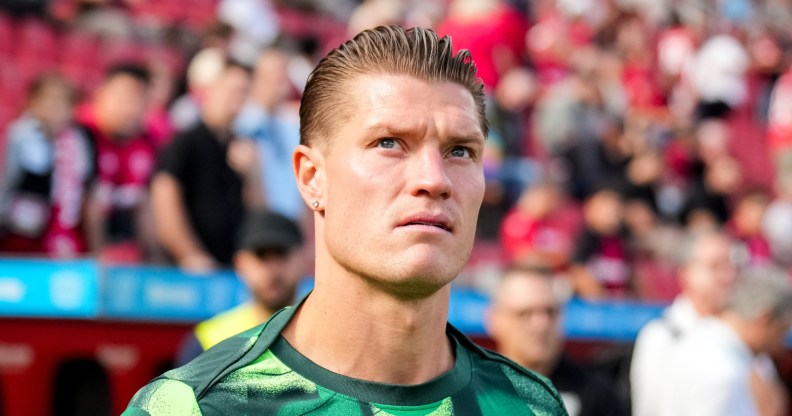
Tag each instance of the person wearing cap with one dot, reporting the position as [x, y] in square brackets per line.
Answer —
[270, 262]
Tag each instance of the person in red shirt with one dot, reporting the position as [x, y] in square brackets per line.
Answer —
[114, 119]
[492, 31]
[531, 235]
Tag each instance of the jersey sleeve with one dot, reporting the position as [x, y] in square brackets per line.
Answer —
[174, 158]
[164, 397]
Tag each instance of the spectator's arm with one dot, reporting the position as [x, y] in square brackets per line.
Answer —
[243, 158]
[172, 227]
[95, 219]
[584, 283]
[147, 231]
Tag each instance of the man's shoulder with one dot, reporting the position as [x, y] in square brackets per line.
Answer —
[164, 397]
[228, 355]
[537, 390]
[198, 377]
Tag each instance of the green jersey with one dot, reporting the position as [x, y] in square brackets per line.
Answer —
[258, 372]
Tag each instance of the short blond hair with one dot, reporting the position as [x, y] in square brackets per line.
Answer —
[391, 50]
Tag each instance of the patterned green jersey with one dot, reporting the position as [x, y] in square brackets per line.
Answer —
[258, 373]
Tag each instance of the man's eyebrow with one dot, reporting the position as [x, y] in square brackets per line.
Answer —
[467, 139]
[388, 128]
[400, 129]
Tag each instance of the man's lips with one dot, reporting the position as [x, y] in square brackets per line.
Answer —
[426, 219]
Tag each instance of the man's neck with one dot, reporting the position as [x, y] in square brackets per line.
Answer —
[353, 329]
[218, 125]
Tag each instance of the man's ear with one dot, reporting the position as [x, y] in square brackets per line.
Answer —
[309, 171]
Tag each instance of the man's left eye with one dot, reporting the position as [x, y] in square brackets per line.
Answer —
[460, 151]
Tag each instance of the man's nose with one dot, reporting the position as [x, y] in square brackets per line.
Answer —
[427, 174]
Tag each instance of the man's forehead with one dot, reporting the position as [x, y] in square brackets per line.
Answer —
[399, 102]
[521, 290]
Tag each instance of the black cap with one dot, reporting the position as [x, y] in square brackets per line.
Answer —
[268, 230]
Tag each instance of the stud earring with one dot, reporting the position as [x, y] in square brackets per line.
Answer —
[315, 204]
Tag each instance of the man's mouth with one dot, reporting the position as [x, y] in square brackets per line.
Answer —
[438, 221]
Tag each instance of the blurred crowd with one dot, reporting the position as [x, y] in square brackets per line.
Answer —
[142, 131]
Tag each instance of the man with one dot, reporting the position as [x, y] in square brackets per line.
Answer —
[525, 322]
[273, 125]
[707, 278]
[205, 180]
[392, 131]
[713, 366]
[270, 262]
[118, 219]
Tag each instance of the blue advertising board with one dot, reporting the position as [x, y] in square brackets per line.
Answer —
[82, 289]
[167, 294]
[45, 288]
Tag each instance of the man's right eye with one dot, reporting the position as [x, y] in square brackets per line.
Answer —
[387, 143]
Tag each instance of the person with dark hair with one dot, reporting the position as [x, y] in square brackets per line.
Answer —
[114, 121]
[206, 178]
[47, 172]
[392, 133]
[270, 261]
[600, 263]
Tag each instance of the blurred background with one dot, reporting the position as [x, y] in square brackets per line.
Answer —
[136, 135]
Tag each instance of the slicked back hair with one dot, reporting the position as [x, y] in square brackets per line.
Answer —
[391, 50]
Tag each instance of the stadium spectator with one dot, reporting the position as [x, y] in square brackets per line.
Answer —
[714, 369]
[118, 215]
[205, 179]
[652, 244]
[708, 279]
[531, 233]
[269, 119]
[48, 168]
[601, 262]
[524, 320]
[706, 276]
[270, 261]
[204, 69]
[492, 30]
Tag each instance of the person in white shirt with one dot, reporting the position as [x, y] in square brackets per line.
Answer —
[712, 368]
[706, 278]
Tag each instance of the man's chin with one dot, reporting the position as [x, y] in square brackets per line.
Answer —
[418, 281]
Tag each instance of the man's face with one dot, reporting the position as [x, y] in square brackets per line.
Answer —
[525, 321]
[227, 95]
[271, 275]
[404, 182]
[53, 106]
[121, 105]
[710, 275]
